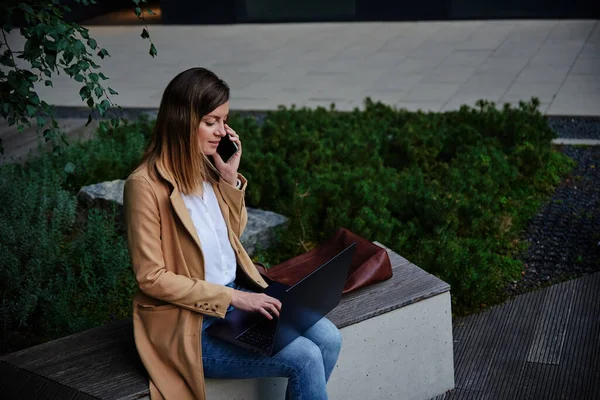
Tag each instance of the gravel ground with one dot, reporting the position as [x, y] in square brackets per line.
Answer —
[564, 236]
[576, 128]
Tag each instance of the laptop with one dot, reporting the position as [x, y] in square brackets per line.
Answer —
[303, 304]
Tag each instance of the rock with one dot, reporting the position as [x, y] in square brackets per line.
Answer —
[261, 228]
[259, 232]
[102, 194]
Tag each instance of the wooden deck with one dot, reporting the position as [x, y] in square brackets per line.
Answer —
[541, 345]
[102, 363]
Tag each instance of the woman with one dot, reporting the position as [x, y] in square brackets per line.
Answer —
[185, 213]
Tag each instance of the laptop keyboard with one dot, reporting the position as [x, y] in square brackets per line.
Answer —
[259, 335]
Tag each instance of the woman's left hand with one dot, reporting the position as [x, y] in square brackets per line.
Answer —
[229, 170]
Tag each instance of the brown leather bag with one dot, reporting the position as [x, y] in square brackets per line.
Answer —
[370, 263]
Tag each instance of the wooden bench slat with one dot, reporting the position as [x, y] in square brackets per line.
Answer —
[109, 351]
[17, 383]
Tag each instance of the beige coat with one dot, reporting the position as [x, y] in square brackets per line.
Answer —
[169, 267]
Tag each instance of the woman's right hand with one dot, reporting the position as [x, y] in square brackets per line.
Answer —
[256, 302]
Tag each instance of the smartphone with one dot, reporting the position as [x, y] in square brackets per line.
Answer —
[227, 148]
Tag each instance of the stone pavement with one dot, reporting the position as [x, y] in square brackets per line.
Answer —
[417, 65]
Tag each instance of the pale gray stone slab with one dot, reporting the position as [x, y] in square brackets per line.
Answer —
[587, 64]
[583, 104]
[546, 92]
[550, 74]
[432, 92]
[466, 58]
[449, 75]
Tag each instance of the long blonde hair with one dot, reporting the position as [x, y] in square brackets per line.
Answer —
[191, 95]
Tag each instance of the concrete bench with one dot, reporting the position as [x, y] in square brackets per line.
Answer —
[397, 345]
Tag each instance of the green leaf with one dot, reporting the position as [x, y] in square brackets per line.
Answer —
[48, 83]
[26, 7]
[90, 102]
[79, 78]
[149, 11]
[34, 99]
[106, 103]
[103, 53]
[62, 45]
[70, 168]
[78, 48]
[112, 91]
[73, 70]
[6, 108]
[89, 120]
[93, 77]
[98, 91]
[47, 72]
[138, 12]
[102, 76]
[41, 121]
[103, 126]
[51, 61]
[152, 51]
[145, 34]
[136, 2]
[114, 122]
[92, 43]
[101, 109]
[30, 110]
[84, 33]
[84, 92]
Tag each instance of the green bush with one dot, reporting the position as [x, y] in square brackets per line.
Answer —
[449, 191]
[112, 154]
[57, 275]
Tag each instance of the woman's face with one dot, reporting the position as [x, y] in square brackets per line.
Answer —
[212, 129]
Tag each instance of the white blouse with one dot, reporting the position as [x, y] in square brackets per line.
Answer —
[219, 257]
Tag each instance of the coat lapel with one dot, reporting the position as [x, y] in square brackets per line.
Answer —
[184, 215]
[179, 206]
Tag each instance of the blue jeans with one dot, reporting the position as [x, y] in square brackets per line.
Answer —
[307, 362]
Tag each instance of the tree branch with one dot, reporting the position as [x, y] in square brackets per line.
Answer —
[8, 47]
